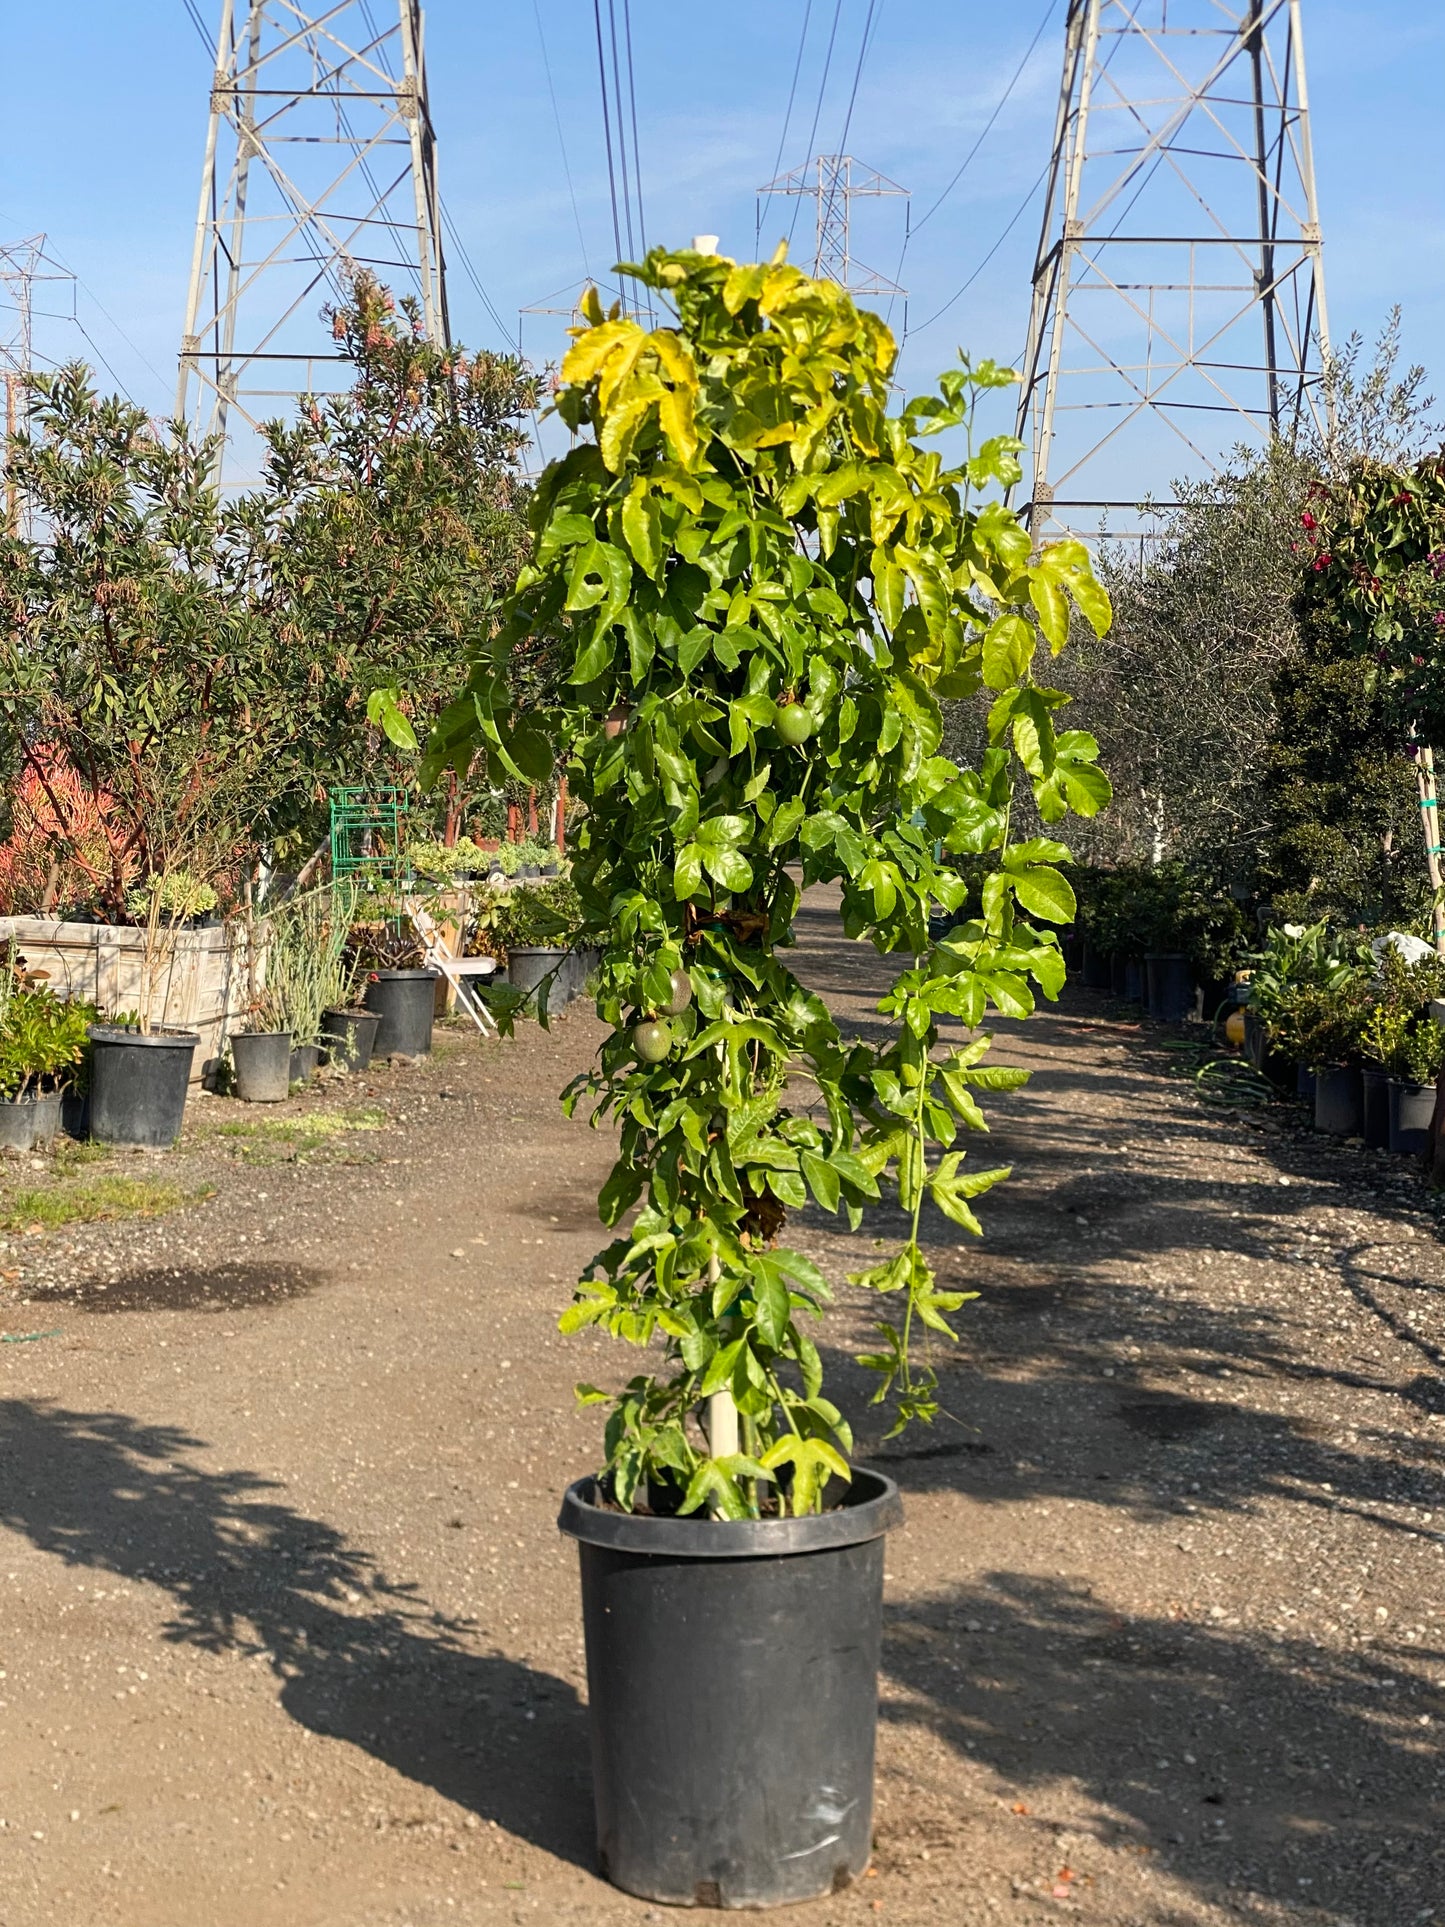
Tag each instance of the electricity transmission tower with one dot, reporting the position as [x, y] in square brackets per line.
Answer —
[320, 160]
[1178, 295]
[833, 182]
[23, 265]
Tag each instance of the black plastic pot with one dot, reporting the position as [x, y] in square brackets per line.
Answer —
[75, 1113]
[1170, 986]
[732, 1680]
[263, 1065]
[28, 1121]
[138, 1085]
[1118, 971]
[1098, 967]
[1339, 1102]
[405, 1004]
[302, 1063]
[1411, 1108]
[1375, 1109]
[348, 1037]
[580, 966]
[528, 964]
[1304, 1083]
[1134, 980]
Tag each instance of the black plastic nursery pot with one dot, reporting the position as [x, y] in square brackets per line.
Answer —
[1098, 967]
[1375, 1109]
[28, 1121]
[75, 1112]
[732, 1679]
[405, 1005]
[348, 1037]
[302, 1060]
[1304, 1083]
[1170, 986]
[138, 1085]
[1134, 980]
[528, 964]
[1339, 1100]
[1411, 1108]
[263, 1065]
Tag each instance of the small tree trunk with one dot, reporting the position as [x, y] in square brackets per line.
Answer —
[562, 814]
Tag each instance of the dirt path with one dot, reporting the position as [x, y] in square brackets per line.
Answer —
[287, 1633]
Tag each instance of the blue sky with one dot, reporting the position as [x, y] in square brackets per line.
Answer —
[103, 150]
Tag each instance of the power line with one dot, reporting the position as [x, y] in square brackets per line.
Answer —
[201, 28]
[787, 117]
[91, 295]
[990, 123]
[607, 128]
[561, 138]
[818, 109]
[1012, 223]
[632, 107]
[858, 70]
[621, 128]
[972, 154]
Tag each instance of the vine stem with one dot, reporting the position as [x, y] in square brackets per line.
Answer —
[924, 1081]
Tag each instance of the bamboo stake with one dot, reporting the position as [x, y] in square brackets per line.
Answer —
[722, 1412]
[1430, 824]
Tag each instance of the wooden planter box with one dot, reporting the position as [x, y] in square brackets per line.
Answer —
[202, 984]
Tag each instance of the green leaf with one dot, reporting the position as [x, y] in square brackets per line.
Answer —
[772, 1310]
[822, 1179]
[1008, 648]
[383, 709]
[642, 528]
[1047, 893]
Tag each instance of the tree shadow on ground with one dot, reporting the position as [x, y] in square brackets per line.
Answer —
[361, 1657]
[1254, 1771]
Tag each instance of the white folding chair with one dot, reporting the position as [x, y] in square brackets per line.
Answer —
[456, 970]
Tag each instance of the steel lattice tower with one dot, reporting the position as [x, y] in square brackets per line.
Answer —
[320, 160]
[1178, 295]
[833, 182]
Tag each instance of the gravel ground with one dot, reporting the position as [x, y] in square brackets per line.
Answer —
[287, 1633]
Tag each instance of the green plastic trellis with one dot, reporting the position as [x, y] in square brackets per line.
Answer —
[367, 832]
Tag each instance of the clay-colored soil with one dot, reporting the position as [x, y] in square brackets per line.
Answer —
[288, 1637]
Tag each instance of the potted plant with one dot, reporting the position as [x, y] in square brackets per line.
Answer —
[348, 1028]
[1327, 1021]
[308, 972]
[1382, 1035]
[385, 951]
[43, 1045]
[1296, 958]
[779, 584]
[141, 1071]
[535, 926]
[1414, 1066]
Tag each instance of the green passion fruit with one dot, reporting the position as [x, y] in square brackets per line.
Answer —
[681, 996]
[651, 1041]
[793, 724]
